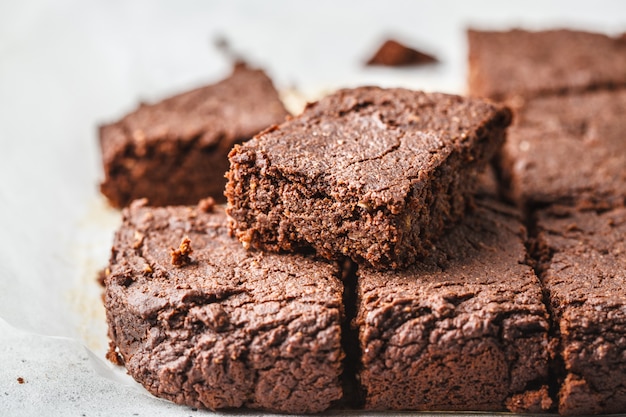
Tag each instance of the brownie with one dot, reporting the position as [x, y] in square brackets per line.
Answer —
[394, 54]
[583, 264]
[568, 150]
[519, 63]
[200, 321]
[368, 173]
[175, 151]
[464, 329]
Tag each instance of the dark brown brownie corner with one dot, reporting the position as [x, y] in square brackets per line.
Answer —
[371, 174]
[175, 151]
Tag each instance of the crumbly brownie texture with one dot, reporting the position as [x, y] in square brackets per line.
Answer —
[503, 65]
[569, 150]
[175, 151]
[228, 328]
[583, 264]
[367, 173]
[465, 329]
[394, 54]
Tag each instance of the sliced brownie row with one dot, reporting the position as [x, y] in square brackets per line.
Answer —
[199, 320]
[564, 164]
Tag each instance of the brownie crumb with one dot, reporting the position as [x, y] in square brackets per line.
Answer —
[180, 256]
[102, 274]
[114, 356]
[530, 402]
[20, 380]
[394, 54]
[206, 205]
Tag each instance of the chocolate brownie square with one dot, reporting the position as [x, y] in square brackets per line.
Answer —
[519, 63]
[464, 329]
[175, 151]
[569, 150]
[583, 268]
[200, 321]
[368, 173]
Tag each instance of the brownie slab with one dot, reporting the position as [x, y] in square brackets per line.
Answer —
[519, 63]
[368, 173]
[583, 264]
[200, 321]
[568, 150]
[465, 329]
[175, 151]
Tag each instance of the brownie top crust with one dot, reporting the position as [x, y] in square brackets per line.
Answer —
[216, 115]
[479, 269]
[583, 254]
[524, 63]
[376, 143]
[569, 149]
[203, 322]
[217, 265]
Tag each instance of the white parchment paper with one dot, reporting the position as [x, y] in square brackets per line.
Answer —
[67, 66]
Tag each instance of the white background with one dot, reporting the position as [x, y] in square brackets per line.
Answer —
[67, 66]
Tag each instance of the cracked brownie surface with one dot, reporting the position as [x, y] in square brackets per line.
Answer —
[228, 327]
[519, 63]
[176, 151]
[583, 268]
[367, 173]
[464, 329]
[584, 131]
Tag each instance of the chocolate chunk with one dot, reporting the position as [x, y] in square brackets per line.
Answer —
[394, 54]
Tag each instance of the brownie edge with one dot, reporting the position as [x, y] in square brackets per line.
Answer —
[371, 174]
[224, 327]
[176, 151]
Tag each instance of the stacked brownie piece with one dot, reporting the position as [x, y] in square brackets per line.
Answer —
[564, 164]
[372, 174]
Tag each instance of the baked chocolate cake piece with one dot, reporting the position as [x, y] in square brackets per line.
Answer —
[464, 329]
[569, 150]
[369, 173]
[583, 264]
[200, 321]
[175, 151]
[519, 63]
